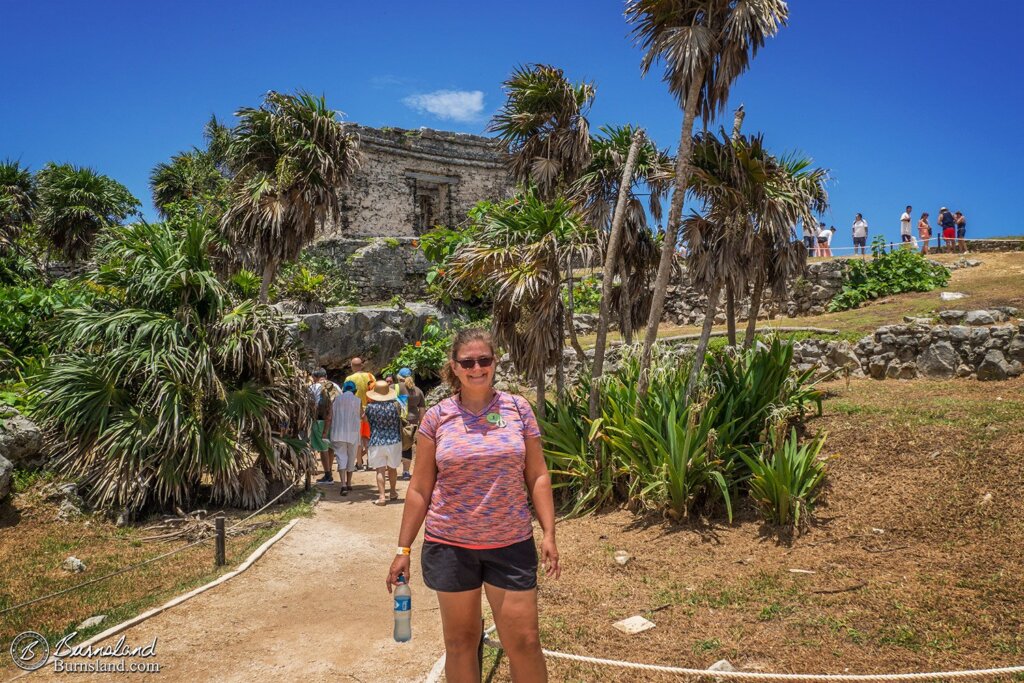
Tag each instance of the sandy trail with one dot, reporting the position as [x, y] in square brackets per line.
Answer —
[314, 608]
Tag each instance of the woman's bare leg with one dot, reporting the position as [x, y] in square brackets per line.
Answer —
[515, 613]
[460, 621]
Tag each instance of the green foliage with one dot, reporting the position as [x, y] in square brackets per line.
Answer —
[889, 272]
[75, 204]
[786, 484]
[665, 452]
[313, 278]
[391, 243]
[245, 284]
[424, 357]
[439, 246]
[26, 313]
[164, 385]
[586, 295]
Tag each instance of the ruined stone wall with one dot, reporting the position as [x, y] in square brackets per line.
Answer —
[412, 180]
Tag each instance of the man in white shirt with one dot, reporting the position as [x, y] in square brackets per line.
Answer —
[860, 235]
[810, 233]
[905, 235]
[346, 415]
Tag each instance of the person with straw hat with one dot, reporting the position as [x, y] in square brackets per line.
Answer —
[384, 453]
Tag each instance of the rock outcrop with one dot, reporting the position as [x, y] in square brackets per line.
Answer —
[21, 442]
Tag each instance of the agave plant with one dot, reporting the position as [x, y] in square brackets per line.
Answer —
[164, 384]
[786, 484]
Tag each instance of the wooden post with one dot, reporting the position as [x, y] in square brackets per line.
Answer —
[307, 480]
[220, 542]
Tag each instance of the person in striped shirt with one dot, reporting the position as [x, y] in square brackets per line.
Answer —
[479, 458]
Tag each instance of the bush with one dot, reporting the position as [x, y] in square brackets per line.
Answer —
[426, 356]
[439, 246]
[785, 484]
[586, 295]
[892, 272]
[312, 279]
[665, 452]
[165, 385]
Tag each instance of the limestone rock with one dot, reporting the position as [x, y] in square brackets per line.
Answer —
[952, 316]
[73, 564]
[979, 318]
[91, 621]
[1016, 349]
[952, 296]
[6, 473]
[21, 441]
[722, 665]
[938, 361]
[371, 332]
[959, 333]
[994, 366]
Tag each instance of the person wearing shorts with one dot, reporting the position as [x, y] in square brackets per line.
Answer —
[479, 464]
[384, 454]
[414, 404]
[905, 235]
[860, 236]
[363, 381]
[961, 231]
[346, 415]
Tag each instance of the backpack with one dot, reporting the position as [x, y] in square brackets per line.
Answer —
[323, 404]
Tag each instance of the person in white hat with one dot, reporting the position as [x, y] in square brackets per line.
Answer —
[384, 454]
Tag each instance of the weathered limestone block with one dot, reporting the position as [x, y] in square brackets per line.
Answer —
[994, 366]
[21, 441]
[938, 361]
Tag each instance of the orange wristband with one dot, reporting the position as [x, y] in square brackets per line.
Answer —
[404, 551]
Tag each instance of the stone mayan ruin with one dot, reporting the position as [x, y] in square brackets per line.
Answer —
[412, 180]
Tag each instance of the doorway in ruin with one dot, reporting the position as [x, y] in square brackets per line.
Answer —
[432, 200]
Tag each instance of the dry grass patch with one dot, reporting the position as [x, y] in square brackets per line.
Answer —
[917, 554]
[33, 545]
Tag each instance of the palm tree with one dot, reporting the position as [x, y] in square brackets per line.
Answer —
[598, 192]
[290, 157]
[191, 177]
[17, 202]
[75, 204]
[164, 384]
[543, 124]
[521, 247]
[752, 204]
[704, 45]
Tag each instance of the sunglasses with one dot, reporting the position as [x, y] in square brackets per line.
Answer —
[468, 363]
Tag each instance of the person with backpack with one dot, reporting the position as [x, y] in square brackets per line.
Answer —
[322, 392]
[948, 225]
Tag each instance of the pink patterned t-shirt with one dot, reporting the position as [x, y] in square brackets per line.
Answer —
[479, 499]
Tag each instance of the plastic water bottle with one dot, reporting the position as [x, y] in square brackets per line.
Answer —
[403, 611]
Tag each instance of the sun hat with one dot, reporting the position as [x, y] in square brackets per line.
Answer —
[405, 372]
[381, 392]
[349, 387]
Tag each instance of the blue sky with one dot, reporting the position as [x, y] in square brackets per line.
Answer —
[905, 101]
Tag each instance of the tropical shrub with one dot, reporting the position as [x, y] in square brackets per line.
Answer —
[785, 484]
[439, 246]
[165, 386]
[664, 451]
[426, 356]
[889, 272]
[586, 295]
[313, 279]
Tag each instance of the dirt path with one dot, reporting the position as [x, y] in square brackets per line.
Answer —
[314, 608]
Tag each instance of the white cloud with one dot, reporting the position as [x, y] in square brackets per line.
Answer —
[457, 105]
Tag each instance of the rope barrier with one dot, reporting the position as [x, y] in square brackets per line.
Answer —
[151, 560]
[759, 676]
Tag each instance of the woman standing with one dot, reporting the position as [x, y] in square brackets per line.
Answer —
[924, 232]
[384, 413]
[415, 406]
[478, 453]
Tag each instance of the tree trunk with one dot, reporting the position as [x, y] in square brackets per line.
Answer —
[730, 292]
[611, 260]
[626, 317]
[755, 308]
[541, 408]
[702, 344]
[668, 247]
[560, 363]
[269, 270]
[730, 314]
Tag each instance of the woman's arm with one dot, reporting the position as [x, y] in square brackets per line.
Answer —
[417, 499]
[538, 483]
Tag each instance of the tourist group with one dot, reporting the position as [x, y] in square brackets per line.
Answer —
[818, 238]
[366, 423]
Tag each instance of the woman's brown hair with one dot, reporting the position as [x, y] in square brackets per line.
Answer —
[463, 337]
